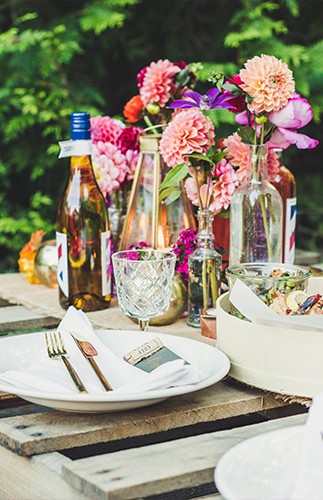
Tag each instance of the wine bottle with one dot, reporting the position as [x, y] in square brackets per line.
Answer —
[285, 184]
[83, 236]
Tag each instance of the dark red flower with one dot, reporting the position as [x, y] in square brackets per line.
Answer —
[238, 103]
[128, 139]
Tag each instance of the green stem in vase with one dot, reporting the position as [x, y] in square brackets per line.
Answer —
[204, 283]
[214, 282]
[264, 215]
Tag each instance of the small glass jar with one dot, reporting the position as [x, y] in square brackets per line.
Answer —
[204, 271]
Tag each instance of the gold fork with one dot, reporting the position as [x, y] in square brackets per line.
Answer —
[56, 349]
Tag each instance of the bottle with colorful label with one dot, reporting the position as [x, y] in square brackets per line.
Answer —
[285, 184]
[83, 236]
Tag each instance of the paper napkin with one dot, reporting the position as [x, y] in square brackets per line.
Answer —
[253, 308]
[51, 375]
[309, 476]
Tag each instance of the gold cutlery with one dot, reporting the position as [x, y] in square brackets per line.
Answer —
[89, 352]
[56, 349]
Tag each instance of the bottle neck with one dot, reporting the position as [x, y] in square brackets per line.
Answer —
[205, 236]
[257, 163]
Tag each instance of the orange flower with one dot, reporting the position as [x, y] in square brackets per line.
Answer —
[269, 81]
[27, 256]
[132, 110]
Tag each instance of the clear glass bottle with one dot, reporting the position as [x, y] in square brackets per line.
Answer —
[204, 271]
[83, 236]
[256, 214]
[285, 184]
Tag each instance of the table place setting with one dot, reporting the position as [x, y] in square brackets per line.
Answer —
[29, 372]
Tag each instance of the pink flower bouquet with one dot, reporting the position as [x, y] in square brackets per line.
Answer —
[187, 145]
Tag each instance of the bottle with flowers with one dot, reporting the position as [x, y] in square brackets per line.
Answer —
[188, 147]
[269, 112]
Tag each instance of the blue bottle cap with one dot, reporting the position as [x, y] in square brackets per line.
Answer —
[80, 126]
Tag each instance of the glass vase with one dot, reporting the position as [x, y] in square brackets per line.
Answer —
[147, 220]
[256, 214]
[204, 271]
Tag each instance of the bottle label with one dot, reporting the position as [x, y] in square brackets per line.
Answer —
[75, 148]
[290, 227]
[62, 262]
[106, 262]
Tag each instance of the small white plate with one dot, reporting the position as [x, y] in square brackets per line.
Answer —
[21, 351]
[261, 468]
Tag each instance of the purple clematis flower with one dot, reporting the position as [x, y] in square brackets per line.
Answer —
[213, 99]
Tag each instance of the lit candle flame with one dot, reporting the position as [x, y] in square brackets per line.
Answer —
[161, 240]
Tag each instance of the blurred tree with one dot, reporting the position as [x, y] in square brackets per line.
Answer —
[57, 57]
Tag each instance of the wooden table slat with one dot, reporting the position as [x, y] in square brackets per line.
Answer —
[151, 470]
[35, 433]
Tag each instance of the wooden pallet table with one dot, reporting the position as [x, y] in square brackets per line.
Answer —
[166, 451]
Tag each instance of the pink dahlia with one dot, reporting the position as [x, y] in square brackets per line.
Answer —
[237, 154]
[157, 83]
[224, 188]
[109, 165]
[269, 81]
[106, 129]
[187, 133]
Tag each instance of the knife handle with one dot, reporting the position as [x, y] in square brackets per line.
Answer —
[100, 375]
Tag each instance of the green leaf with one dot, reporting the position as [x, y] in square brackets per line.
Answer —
[166, 192]
[174, 176]
[218, 157]
[246, 134]
[172, 197]
[200, 156]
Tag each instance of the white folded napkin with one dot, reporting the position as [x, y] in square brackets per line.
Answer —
[309, 476]
[253, 308]
[52, 376]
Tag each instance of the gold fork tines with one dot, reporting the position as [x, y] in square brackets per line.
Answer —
[56, 349]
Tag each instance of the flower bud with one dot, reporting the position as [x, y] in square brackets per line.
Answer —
[260, 119]
[153, 108]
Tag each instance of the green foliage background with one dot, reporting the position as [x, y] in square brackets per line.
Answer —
[61, 56]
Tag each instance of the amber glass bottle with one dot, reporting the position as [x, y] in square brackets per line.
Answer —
[82, 238]
[285, 184]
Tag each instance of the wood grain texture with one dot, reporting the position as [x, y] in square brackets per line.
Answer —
[55, 430]
[25, 478]
[156, 469]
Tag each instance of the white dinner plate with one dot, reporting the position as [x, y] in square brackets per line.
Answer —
[20, 352]
[261, 468]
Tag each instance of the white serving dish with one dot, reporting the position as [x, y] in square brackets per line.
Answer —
[261, 468]
[281, 360]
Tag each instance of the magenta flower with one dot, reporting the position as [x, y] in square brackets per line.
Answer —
[213, 99]
[296, 114]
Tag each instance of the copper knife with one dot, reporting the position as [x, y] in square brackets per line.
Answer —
[89, 352]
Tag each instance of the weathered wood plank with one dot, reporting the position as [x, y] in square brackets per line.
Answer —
[30, 325]
[29, 479]
[5, 303]
[156, 469]
[17, 313]
[55, 430]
